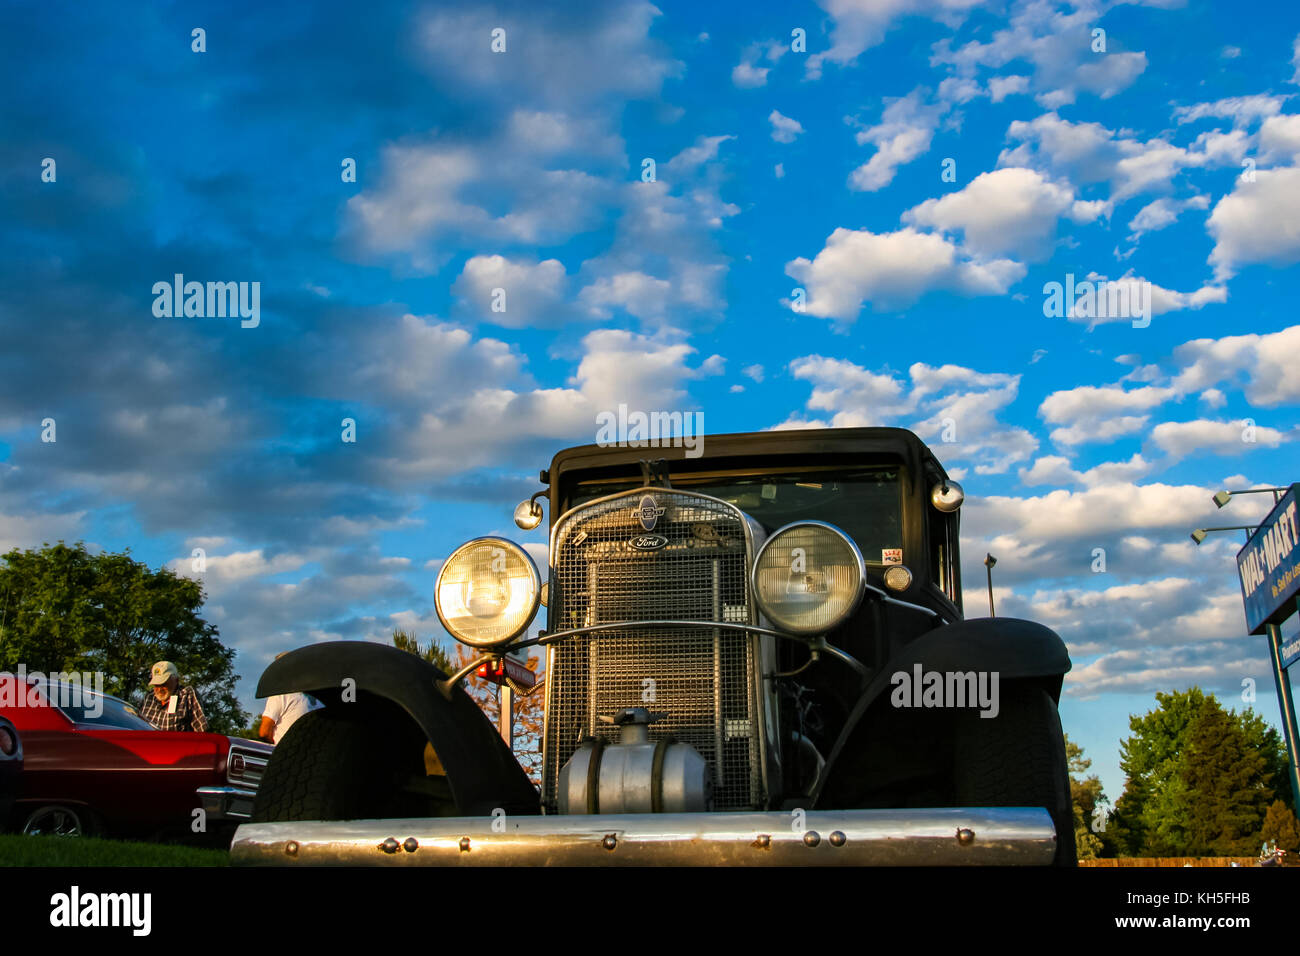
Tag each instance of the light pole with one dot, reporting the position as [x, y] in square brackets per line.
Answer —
[1221, 498]
[1199, 534]
[989, 561]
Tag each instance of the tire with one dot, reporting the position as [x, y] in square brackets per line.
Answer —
[352, 762]
[58, 820]
[1017, 759]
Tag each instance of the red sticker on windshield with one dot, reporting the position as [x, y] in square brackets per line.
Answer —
[891, 555]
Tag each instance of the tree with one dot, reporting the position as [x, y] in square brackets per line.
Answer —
[1177, 765]
[1224, 777]
[529, 709]
[1281, 828]
[1087, 796]
[65, 609]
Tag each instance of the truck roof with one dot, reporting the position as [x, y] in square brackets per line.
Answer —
[800, 442]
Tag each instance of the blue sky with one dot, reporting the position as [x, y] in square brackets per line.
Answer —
[1162, 151]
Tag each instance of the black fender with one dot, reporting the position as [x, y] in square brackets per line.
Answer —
[481, 771]
[1014, 649]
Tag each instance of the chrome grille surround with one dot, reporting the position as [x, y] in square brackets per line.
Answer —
[707, 683]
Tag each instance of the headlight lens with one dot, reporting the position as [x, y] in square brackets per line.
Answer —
[808, 577]
[487, 592]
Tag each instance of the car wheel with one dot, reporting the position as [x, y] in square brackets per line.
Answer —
[57, 821]
[1017, 759]
[346, 763]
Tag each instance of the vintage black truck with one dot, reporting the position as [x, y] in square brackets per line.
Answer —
[755, 655]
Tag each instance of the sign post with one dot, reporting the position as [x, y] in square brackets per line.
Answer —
[1269, 567]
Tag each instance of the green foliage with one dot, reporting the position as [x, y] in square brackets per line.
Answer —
[65, 609]
[1224, 778]
[434, 654]
[1199, 778]
[1087, 795]
[19, 850]
[1281, 828]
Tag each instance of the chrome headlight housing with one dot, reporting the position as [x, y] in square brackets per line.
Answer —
[808, 577]
[487, 592]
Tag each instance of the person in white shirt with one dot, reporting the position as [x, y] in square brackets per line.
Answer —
[281, 711]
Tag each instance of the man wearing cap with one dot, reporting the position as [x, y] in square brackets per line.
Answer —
[172, 707]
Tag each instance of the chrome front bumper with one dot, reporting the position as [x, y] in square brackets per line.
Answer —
[923, 837]
[226, 803]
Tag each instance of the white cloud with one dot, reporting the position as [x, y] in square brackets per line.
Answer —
[1242, 110]
[1180, 439]
[1010, 211]
[1279, 139]
[893, 270]
[953, 404]
[861, 24]
[1163, 212]
[1091, 413]
[905, 130]
[753, 371]
[784, 129]
[1256, 222]
[532, 291]
[1000, 87]
[1059, 45]
[1267, 363]
[747, 74]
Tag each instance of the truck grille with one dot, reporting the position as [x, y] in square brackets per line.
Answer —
[703, 682]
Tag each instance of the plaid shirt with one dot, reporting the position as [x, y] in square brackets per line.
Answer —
[188, 716]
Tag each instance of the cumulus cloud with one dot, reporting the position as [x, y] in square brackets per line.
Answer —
[1059, 45]
[514, 293]
[748, 74]
[1264, 365]
[1256, 222]
[1180, 439]
[952, 404]
[903, 133]
[893, 270]
[784, 129]
[1161, 213]
[862, 24]
[1010, 211]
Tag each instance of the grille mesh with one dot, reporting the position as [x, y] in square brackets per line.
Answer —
[703, 680]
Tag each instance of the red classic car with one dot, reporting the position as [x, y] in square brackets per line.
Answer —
[11, 767]
[93, 765]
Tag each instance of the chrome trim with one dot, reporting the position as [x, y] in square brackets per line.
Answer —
[219, 802]
[813, 643]
[853, 547]
[529, 563]
[758, 685]
[940, 836]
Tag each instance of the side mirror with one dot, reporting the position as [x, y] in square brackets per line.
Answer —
[528, 514]
[947, 496]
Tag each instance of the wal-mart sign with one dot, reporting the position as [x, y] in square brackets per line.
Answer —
[1269, 566]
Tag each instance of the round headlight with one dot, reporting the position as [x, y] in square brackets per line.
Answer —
[898, 578]
[808, 577]
[487, 592]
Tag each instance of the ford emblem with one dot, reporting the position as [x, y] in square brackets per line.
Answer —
[648, 542]
[649, 511]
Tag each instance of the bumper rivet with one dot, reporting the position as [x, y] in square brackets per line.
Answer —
[390, 845]
[965, 836]
[837, 838]
[410, 845]
[811, 838]
[763, 841]
[291, 848]
[610, 841]
[464, 844]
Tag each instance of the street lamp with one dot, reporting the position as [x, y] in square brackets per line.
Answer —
[989, 561]
[1221, 497]
[1199, 534]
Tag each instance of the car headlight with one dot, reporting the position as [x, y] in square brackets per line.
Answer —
[487, 592]
[808, 577]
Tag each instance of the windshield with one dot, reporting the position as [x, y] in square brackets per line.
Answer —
[864, 502]
[86, 707]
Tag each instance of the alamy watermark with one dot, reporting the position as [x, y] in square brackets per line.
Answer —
[1100, 299]
[636, 429]
[946, 689]
[214, 300]
[82, 690]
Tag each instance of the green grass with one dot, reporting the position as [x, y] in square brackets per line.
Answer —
[17, 850]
